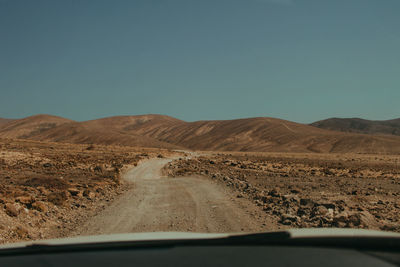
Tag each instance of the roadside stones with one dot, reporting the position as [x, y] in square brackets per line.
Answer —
[21, 231]
[328, 205]
[39, 206]
[73, 191]
[346, 219]
[26, 200]
[295, 190]
[306, 202]
[319, 211]
[274, 193]
[11, 210]
[288, 219]
[57, 198]
[304, 199]
[88, 194]
[291, 198]
[98, 168]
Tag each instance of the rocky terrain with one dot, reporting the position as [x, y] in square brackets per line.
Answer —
[56, 173]
[47, 189]
[308, 190]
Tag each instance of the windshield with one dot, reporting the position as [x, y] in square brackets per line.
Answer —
[211, 116]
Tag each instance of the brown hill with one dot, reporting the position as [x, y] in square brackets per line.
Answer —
[29, 126]
[4, 121]
[108, 131]
[140, 124]
[357, 125]
[253, 134]
[263, 134]
[79, 133]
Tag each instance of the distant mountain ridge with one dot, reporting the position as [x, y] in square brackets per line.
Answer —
[160, 131]
[357, 125]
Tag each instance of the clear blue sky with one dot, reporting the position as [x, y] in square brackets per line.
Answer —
[208, 59]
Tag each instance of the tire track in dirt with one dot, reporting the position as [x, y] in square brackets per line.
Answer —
[157, 203]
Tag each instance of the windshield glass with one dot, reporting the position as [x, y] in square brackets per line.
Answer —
[211, 116]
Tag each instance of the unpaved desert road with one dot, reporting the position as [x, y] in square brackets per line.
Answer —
[158, 203]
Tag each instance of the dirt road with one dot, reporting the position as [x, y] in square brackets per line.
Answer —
[158, 203]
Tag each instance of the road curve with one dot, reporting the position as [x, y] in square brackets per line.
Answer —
[157, 203]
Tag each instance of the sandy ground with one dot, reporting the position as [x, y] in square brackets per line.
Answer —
[157, 203]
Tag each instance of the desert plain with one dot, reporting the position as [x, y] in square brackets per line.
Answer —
[60, 178]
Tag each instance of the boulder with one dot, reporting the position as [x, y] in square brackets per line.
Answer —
[40, 206]
[11, 209]
[364, 219]
[26, 200]
[367, 220]
[288, 219]
[320, 211]
[274, 193]
[98, 168]
[88, 194]
[328, 205]
[295, 190]
[21, 231]
[73, 191]
[341, 219]
[306, 202]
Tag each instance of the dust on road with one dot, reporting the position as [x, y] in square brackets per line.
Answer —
[157, 203]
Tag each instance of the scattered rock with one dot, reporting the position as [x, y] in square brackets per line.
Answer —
[274, 193]
[40, 206]
[320, 211]
[26, 200]
[47, 165]
[295, 190]
[73, 191]
[306, 202]
[90, 147]
[287, 219]
[11, 209]
[57, 198]
[328, 205]
[98, 168]
[21, 231]
[89, 194]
